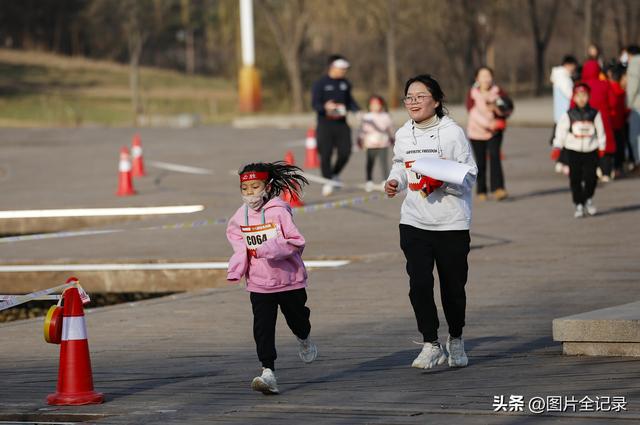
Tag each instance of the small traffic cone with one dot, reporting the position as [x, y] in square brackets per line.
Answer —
[311, 159]
[289, 159]
[75, 381]
[289, 196]
[125, 185]
[136, 153]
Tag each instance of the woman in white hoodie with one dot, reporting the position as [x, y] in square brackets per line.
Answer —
[434, 220]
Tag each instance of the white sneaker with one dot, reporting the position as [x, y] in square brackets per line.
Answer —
[579, 211]
[431, 355]
[457, 356]
[327, 189]
[591, 209]
[307, 350]
[337, 183]
[558, 167]
[369, 186]
[265, 383]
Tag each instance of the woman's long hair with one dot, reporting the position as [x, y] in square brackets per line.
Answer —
[282, 177]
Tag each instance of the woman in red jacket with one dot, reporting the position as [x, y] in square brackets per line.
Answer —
[603, 100]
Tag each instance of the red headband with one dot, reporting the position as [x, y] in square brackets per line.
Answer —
[581, 87]
[254, 175]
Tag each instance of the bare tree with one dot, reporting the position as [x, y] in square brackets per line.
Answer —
[626, 15]
[541, 37]
[189, 41]
[288, 22]
[136, 32]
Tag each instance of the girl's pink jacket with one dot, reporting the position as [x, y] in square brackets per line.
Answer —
[278, 264]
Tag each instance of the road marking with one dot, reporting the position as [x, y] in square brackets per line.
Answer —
[179, 168]
[151, 266]
[101, 212]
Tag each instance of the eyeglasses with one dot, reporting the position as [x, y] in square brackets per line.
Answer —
[408, 100]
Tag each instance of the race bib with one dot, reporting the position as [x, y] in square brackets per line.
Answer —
[256, 235]
[582, 129]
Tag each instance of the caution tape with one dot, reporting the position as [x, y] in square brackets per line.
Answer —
[15, 300]
[358, 200]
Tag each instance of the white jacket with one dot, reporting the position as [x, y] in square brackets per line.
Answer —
[448, 207]
[562, 91]
[593, 135]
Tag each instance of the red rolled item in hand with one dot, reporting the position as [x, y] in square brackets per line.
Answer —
[555, 154]
[500, 124]
[430, 184]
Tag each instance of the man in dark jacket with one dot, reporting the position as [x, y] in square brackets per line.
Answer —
[331, 99]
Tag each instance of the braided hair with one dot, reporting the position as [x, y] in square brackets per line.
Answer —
[282, 177]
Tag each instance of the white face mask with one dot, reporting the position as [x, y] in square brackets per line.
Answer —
[256, 201]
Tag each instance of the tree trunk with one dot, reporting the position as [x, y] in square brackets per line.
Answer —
[135, 51]
[539, 77]
[295, 81]
[190, 52]
[189, 48]
[392, 64]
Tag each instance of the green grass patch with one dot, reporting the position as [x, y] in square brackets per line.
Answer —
[38, 89]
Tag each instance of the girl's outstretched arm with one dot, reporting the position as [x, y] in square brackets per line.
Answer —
[288, 243]
[239, 261]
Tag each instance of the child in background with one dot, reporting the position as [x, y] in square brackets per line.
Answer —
[375, 136]
[268, 253]
[581, 132]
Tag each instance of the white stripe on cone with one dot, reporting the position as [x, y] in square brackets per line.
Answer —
[74, 328]
[125, 166]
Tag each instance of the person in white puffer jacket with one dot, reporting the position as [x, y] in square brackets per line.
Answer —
[435, 218]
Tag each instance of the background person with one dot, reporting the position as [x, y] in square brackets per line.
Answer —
[485, 129]
[331, 98]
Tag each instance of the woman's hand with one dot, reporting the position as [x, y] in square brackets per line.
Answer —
[391, 188]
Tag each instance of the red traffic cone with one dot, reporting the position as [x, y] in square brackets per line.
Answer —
[311, 159]
[125, 185]
[136, 154]
[288, 196]
[289, 158]
[75, 381]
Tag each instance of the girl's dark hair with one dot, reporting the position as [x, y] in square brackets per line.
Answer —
[282, 177]
[480, 68]
[380, 99]
[433, 87]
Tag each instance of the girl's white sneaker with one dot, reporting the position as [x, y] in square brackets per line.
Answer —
[307, 350]
[265, 383]
[369, 186]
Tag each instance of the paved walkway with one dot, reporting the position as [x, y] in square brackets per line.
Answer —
[189, 358]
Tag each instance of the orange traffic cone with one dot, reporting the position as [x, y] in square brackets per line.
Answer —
[311, 159]
[136, 154]
[288, 196]
[125, 185]
[75, 381]
[289, 158]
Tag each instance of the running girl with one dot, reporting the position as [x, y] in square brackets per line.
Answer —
[268, 253]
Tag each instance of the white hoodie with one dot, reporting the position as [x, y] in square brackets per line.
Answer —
[448, 207]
